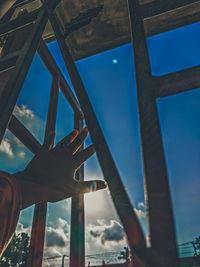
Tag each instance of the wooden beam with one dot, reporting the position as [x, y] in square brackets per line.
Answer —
[37, 235]
[5, 5]
[53, 68]
[157, 192]
[119, 195]
[172, 19]
[18, 129]
[157, 7]
[77, 238]
[10, 94]
[177, 82]
[18, 23]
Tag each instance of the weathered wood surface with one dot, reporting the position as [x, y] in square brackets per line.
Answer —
[172, 19]
[4, 6]
[111, 28]
[177, 82]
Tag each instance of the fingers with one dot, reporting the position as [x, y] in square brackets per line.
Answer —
[78, 141]
[69, 138]
[83, 155]
[90, 186]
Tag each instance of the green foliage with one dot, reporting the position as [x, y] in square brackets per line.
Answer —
[17, 251]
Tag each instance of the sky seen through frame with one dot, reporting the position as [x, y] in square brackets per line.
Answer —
[110, 82]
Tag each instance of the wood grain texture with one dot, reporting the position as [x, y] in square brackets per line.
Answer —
[111, 27]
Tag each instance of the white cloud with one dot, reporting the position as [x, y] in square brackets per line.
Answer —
[21, 229]
[12, 148]
[59, 213]
[103, 237]
[101, 222]
[140, 213]
[5, 147]
[55, 237]
[141, 205]
[10, 145]
[32, 122]
[22, 111]
[58, 236]
[62, 224]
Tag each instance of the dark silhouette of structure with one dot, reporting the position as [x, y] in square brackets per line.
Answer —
[23, 32]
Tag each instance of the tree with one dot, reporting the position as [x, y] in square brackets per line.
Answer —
[125, 255]
[197, 243]
[17, 251]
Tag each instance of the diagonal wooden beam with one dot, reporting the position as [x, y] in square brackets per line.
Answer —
[53, 68]
[9, 95]
[119, 195]
[18, 23]
[22, 133]
[5, 5]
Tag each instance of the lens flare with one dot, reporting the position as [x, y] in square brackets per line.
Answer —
[93, 187]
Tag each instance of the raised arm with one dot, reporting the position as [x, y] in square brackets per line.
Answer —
[50, 176]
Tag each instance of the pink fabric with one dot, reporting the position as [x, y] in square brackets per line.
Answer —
[10, 206]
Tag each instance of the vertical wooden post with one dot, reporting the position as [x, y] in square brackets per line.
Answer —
[37, 235]
[157, 191]
[77, 240]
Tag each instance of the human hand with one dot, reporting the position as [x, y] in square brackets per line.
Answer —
[54, 171]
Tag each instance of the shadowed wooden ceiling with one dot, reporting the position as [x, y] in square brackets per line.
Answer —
[110, 28]
[105, 23]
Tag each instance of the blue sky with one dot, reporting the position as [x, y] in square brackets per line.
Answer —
[110, 83]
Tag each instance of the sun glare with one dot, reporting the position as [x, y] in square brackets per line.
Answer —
[95, 202]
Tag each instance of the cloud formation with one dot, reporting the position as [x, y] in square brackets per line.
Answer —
[5, 147]
[13, 154]
[58, 213]
[32, 122]
[140, 205]
[108, 233]
[23, 112]
[55, 237]
[140, 213]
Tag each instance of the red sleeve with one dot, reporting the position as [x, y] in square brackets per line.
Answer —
[10, 206]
